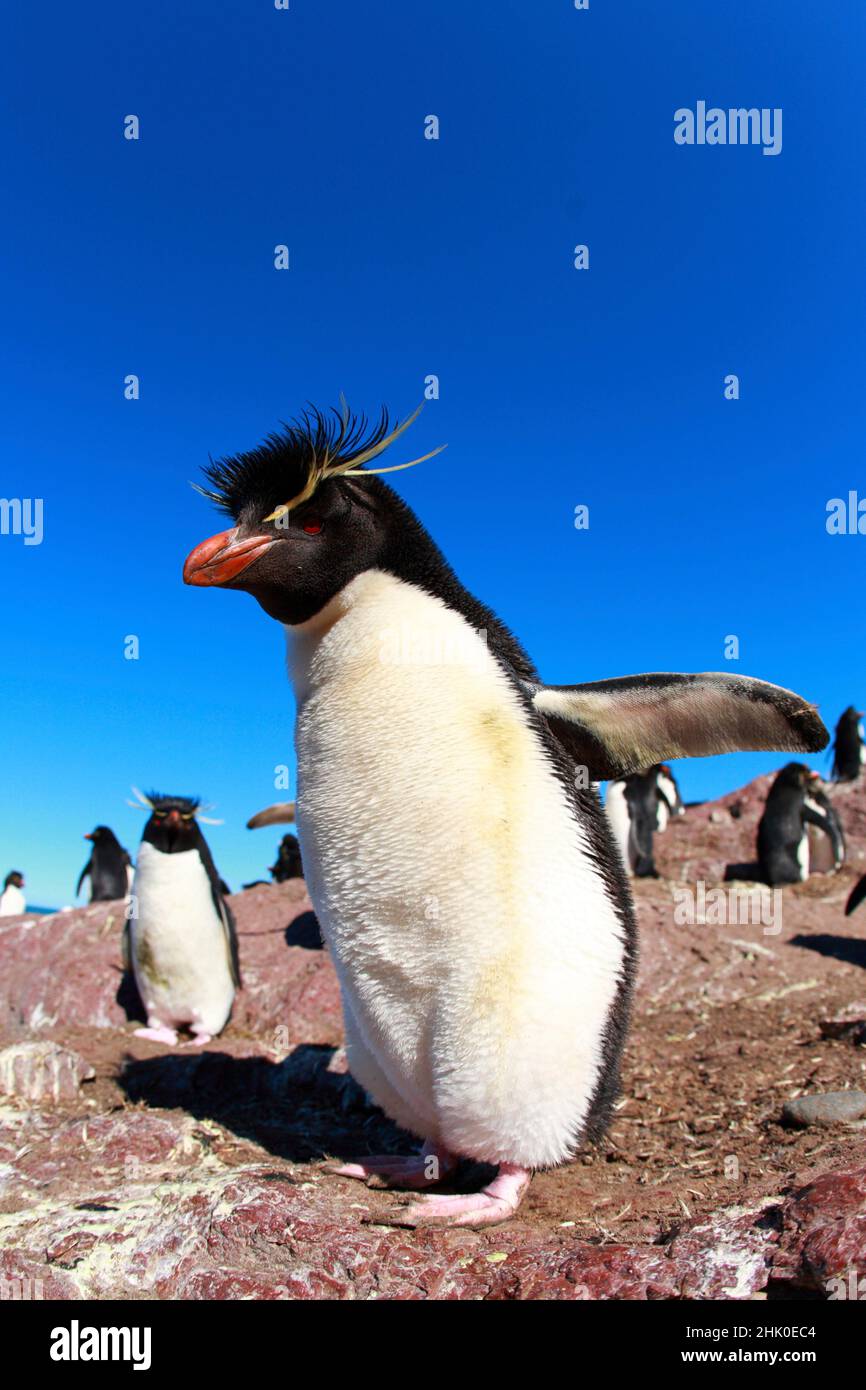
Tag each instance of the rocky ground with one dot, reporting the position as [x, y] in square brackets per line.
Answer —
[129, 1170]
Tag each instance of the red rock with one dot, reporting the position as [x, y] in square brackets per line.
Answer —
[824, 1232]
[193, 1173]
[42, 1071]
[66, 971]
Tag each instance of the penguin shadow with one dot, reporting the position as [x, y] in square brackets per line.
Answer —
[295, 1108]
[851, 950]
[305, 932]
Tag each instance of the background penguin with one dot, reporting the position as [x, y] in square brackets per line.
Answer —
[182, 933]
[783, 842]
[12, 902]
[288, 863]
[109, 867]
[485, 1008]
[826, 842]
[632, 808]
[637, 806]
[849, 750]
[670, 803]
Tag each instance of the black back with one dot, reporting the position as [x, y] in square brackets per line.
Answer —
[106, 867]
[847, 746]
[288, 864]
[782, 825]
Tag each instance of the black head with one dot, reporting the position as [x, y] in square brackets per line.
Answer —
[14, 879]
[102, 836]
[851, 715]
[796, 775]
[172, 827]
[309, 518]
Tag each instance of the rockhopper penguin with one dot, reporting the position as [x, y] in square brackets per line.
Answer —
[289, 864]
[637, 806]
[485, 1009]
[827, 836]
[183, 940]
[849, 750]
[783, 840]
[12, 900]
[108, 868]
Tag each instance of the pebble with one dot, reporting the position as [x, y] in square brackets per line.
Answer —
[832, 1108]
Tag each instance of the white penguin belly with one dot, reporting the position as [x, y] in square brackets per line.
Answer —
[179, 951]
[616, 807]
[803, 856]
[478, 952]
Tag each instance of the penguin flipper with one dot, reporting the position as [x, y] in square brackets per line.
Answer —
[218, 887]
[815, 816]
[82, 876]
[281, 813]
[231, 932]
[858, 893]
[619, 726]
[227, 919]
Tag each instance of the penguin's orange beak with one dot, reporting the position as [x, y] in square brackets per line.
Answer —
[221, 558]
[88, 837]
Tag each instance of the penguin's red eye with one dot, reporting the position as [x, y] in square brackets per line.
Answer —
[312, 527]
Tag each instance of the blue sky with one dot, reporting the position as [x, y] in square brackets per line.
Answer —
[410, 257]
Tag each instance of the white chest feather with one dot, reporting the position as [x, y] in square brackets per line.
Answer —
[179, 950]
[803, 855]
[477, 950]
[616, 806]
[12, 901]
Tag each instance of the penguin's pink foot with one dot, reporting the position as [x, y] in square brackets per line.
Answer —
[201, 1034]
[494, 1203]
[158, 1033]
[423, 1169]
